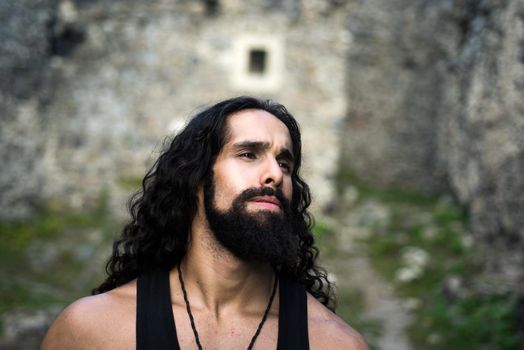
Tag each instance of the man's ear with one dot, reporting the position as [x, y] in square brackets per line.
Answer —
[200, 193]
[200, 197]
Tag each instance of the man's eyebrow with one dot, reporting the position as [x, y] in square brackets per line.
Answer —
[285, 153]
[252, 145]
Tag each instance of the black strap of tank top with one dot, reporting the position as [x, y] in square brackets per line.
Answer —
[292, 322]
[155, 326]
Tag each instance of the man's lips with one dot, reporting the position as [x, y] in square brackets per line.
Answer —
[268, 202]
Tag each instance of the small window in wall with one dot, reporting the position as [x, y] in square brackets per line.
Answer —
[257, 61]
[212, 7]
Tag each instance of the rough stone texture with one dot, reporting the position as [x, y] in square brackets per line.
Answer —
[435, 96]
[395, 85]
[25, 330]
[23, 60]
[132, 72]
[486, 136]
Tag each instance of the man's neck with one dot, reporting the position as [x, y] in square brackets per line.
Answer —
[220, 282]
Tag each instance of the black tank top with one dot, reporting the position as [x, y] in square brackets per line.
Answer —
[155, 324]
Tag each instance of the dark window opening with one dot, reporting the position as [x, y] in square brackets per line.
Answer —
[64, 42]
[212, 7]
[257, 61]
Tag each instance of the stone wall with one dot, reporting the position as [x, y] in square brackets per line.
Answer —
[24, 87]
[486, 135]
[397, 81]
[435, 95]
[126, 74]
[422, 95]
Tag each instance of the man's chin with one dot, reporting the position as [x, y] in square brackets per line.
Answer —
[263, 213]
[253, 230]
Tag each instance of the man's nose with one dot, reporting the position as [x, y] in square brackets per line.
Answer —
[272, 174]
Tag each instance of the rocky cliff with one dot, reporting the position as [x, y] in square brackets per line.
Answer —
[436, 103]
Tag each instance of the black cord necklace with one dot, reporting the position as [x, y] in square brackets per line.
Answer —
[195, 332]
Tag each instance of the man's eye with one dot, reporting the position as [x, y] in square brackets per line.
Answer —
[248, 155]
[284, 165]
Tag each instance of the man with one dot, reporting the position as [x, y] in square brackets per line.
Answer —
[219, 252]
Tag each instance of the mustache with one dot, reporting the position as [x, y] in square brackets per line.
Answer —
[253, 192]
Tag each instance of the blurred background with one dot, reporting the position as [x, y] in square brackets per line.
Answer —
[412, 113]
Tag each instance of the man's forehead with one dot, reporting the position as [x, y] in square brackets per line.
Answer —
[257, 126]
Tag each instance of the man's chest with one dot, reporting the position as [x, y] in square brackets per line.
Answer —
[232, 334]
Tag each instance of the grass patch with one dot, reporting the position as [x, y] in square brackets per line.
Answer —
[346, 177]
[131, 183]
[16, 296]
[46, 260]
[350, 305]
[325, 237]
[321, 228]
[350, 299]
[442, 320]
[475, 322]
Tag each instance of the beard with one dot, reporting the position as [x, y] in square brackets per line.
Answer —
[261, 236]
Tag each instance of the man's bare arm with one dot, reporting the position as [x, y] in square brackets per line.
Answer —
[329, 331]
[70, 329]
[105, 321]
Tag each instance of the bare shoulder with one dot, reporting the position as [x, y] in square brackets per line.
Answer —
[329, 331]
[101, 321]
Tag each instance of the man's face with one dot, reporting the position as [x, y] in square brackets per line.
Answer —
[258, 153]
[247, 197]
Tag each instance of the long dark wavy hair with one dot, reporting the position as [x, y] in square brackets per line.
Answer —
[162, 212]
